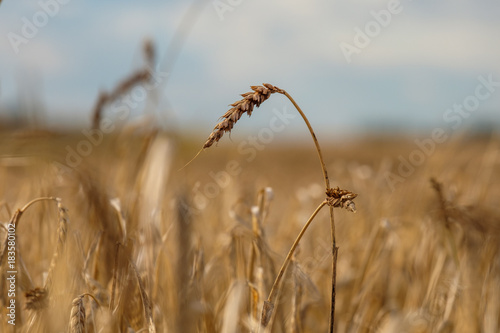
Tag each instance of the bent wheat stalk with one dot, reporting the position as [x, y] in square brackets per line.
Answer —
[125, 86]
[61, 231]
[334, 197]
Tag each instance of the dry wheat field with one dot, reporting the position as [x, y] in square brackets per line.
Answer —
[127, 240]
[147, 220]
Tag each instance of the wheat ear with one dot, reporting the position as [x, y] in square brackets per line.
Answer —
[36, 299]
[438, 187]
[141, 76]
[62, 231]
[77, 317]
[148, 313]
[246, 105]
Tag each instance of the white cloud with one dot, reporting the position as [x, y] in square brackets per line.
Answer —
[262, 36]
[44, 56]
[448, 44]
[302, 33]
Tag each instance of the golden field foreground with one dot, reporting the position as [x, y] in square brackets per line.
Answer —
[124, 241]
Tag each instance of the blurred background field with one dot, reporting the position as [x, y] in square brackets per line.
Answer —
[191, 243]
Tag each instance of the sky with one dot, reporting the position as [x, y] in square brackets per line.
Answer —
[353, 66]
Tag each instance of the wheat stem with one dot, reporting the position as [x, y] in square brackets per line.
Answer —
[113, 284]
[269, 304]
[316, 143]
[332, 219]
